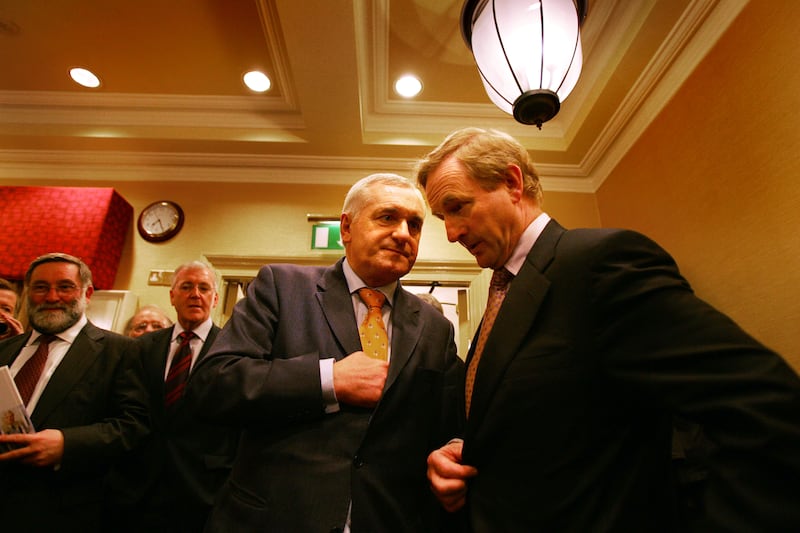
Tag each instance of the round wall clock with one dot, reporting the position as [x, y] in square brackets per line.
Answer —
[160, 221]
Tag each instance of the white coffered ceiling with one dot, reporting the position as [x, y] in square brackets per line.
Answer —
[172, 106]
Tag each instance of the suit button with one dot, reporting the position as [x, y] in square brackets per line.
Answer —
[358, 462]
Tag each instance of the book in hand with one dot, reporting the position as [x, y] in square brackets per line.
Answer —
[13, 415]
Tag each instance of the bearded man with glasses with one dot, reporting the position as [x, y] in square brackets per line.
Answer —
[82, 387]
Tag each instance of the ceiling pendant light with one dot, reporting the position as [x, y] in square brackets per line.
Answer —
[528, 52]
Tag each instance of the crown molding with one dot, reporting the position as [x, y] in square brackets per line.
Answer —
[700, 27]
[227, 168]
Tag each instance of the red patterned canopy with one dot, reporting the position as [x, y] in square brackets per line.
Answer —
[89, 223]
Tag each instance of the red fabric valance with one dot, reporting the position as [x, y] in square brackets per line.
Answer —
[87, 222]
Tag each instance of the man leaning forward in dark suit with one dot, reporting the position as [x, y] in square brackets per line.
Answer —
[87, 405]
[335, 439]
[598, 342]
[185, 461]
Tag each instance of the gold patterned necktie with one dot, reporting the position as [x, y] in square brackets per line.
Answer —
[374, 340]
[498, 288]
[28, 376]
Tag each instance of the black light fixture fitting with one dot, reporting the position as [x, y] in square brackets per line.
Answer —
[528, 52]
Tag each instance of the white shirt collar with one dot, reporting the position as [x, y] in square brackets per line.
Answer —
[526, 242]
[354, 282]
[201, 331]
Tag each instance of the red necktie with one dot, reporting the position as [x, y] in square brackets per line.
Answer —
[179, 370]
[28, 376]
[498, 288]
[374, 340]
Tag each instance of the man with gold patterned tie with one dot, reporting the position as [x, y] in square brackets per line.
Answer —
[337, 422]
[82, 387]
[597, 341]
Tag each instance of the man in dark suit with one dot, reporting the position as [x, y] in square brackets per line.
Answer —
[183, 464]
[597, 343]
[335, 439]
[85, 398]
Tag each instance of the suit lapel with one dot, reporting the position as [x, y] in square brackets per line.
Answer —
[12, 348]
[212, 335]
[406, 330]
[155, 353]
[513, 322]
[333, 296]
[80, 356]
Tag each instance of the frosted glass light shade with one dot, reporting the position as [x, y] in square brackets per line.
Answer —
[528, 53]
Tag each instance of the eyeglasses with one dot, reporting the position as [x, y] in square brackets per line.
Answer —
[202, 288]
[63, 289]
[144, 325]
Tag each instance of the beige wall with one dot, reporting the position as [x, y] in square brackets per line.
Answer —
[245, 219]
[715, 177]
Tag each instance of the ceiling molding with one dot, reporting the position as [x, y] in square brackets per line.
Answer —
[276, 48]
[299, 136]
[701, 25]
[235, 168]
[151, 111]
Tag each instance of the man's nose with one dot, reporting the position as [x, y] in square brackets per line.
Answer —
[52, 295]
[402, 231]
[454, 231]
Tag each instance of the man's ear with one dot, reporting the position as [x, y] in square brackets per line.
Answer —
[514, 181]
[344, 227]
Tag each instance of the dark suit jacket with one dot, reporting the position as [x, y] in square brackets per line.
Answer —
[180, 468]
[598, 341]
[96, 398]
[298, 468]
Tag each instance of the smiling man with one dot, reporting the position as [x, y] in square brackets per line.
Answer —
[337, 422]
[82, 388]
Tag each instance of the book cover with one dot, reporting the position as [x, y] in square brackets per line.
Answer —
[13, 415]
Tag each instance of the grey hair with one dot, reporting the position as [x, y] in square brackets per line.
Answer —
[57, 257]
[192, 265]
[359, 194]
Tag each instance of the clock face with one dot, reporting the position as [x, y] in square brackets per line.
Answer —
[160, 221]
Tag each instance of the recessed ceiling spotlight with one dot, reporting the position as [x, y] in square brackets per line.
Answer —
[84, 77]
[408, 86]
[257, 81]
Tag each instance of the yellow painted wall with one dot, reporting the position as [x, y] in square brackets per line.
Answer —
[248, 219]
[715, 179]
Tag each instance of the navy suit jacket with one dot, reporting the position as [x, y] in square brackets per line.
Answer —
[182, 465]
[597, 343]
[96, 399]
[298, 468]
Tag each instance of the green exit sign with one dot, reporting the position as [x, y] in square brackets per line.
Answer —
[326, 237]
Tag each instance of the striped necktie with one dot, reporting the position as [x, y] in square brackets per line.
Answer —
[28, 376]
[179, 370]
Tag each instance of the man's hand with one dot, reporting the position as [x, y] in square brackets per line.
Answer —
[359, 379]
[45, 448]
[14, 325]
[448, 477]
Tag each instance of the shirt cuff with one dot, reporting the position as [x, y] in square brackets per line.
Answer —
[326, 378]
